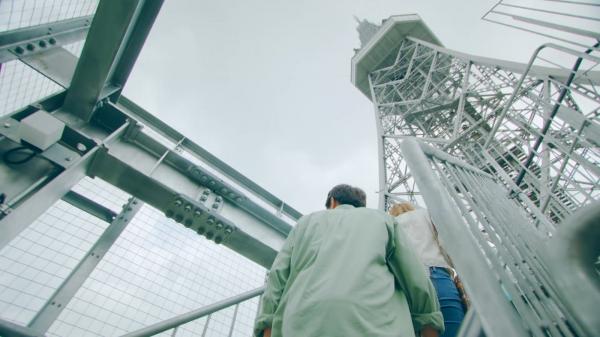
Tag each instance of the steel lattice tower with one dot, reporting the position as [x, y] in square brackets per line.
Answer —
[468, 107]
[503, 155]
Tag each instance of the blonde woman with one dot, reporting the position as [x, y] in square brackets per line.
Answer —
[420, 231]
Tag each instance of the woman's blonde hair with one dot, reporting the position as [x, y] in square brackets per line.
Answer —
[400, 208]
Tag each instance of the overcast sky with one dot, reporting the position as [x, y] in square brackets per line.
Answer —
[265, 84]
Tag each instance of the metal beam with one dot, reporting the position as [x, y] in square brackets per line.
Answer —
[380, 147]
[89, 206]
[30, 209]
[107, 36]
[29, 41]
[67, 171]
[220, 213]
[44, 319]
[141, 28]
[62, 73]
[257, 232]
[138, 113]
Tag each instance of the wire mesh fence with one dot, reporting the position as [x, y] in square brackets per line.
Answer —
[16, 14]
[20, 86]
[156, 270]
[34, 265]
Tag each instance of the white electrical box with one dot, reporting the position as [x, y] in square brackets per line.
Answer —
[41, 129]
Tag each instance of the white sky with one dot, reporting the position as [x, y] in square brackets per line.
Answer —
[265, 85]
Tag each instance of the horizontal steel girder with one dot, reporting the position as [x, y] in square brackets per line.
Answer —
[191, 195]
[184, 191]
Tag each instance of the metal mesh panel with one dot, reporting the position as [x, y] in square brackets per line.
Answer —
[35, 263]
[20, 86]
[24, 13]
[154, 271]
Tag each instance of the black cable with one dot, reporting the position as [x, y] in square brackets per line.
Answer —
[8, 156]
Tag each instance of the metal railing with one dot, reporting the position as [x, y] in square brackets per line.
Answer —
[175, 322]
[497, 248]
[571, 22]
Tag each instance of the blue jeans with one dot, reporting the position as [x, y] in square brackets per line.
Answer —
[450, 302]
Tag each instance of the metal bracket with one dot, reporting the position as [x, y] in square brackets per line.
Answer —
[61, 155]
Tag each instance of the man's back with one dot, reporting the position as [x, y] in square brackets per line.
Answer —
[332, 278]
[339, 276]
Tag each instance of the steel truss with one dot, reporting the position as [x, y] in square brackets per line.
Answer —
[454, 101]
[112, 138]
[510, 174]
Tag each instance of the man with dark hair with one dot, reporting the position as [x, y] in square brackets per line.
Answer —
[348, 271]
[346, 194]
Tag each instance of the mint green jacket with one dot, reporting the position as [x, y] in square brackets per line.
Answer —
[347, 272]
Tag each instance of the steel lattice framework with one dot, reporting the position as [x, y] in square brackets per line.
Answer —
[454, 101]
[502, 154]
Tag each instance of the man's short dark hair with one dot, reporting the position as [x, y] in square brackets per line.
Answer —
[347, 195]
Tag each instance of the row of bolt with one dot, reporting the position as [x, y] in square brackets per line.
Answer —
[216, 230]
[218, 199]
[32, 46]
[213, 183]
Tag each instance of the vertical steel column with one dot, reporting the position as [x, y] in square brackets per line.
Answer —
[109, 32]
[380, 147]
[497, 315]
[461, 101]
[61, 297]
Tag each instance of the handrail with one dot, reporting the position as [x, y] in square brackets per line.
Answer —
[570, 256]
[194, 315]
[433, 152]
[488, 300]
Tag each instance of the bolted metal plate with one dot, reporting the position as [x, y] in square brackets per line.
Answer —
[9, 127]
[61, 155]
[201, 219]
